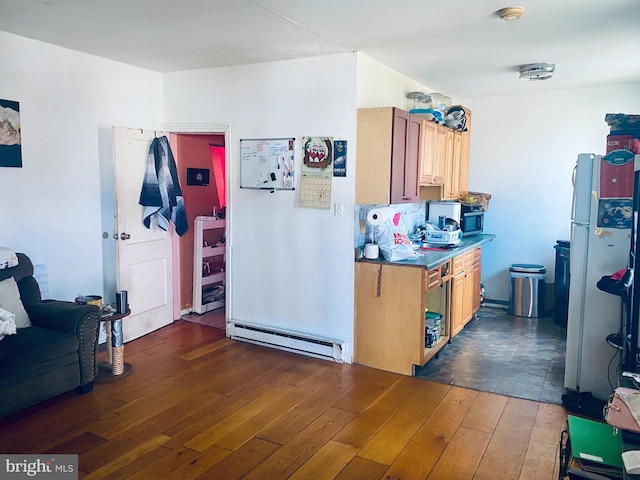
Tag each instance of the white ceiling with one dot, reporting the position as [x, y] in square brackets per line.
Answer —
[456, 47]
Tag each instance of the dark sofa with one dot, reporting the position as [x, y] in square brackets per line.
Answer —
[54, 355]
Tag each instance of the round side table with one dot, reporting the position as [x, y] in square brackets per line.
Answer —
[115, 367]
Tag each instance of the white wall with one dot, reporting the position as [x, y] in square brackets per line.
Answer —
[291, 267]
[380, 86]
[523, 150]
[51, 207]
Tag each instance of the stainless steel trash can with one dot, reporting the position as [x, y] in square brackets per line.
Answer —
[526, 289]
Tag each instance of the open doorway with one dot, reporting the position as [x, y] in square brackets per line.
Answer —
[201, 160]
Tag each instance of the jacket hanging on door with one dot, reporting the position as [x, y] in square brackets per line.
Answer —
[161, 194]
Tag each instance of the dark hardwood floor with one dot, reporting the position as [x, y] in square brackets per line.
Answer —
[500, 353]
[200, 406]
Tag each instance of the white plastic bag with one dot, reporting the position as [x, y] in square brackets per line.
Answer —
[393, 241]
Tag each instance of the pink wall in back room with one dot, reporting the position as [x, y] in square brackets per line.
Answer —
[193, 151]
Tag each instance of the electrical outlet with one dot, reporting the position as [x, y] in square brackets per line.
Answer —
[363, 227]
[338, 209]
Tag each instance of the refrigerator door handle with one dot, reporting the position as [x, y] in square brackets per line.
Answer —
[573, 197]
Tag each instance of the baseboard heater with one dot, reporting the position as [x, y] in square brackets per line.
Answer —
[295, 342]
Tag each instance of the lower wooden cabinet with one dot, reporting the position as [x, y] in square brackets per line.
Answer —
[477, 285]
[390, 303]
[463, 293]
[465, 289]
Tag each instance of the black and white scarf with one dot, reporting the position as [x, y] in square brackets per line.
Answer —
[161, 194]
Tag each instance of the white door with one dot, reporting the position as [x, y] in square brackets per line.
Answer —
[143, 254]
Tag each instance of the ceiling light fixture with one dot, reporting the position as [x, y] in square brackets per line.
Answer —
[510, 14]
[537, 71]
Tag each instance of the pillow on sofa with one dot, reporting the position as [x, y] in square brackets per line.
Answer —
[8, 258]
[10, 301]
[7, 323]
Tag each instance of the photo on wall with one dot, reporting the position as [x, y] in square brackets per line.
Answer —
[10, 142]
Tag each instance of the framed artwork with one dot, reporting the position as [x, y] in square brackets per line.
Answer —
[615, 212]
[339, 158]
[10, 143]
[198, 176]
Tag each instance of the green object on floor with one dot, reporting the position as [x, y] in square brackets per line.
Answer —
[595, 441]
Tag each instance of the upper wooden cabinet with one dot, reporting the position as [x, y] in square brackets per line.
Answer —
[452, 168]
[444, 167]
[463, 186]
[387, 156]
[433, 142]
[444, 137]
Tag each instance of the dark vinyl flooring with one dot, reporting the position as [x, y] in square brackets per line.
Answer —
[515, 356]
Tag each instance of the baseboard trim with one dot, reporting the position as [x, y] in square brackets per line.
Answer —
[495, 303]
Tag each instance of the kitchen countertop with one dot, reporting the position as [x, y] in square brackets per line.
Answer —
[432, 258]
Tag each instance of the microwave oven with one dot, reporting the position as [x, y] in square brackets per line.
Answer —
[472, 220]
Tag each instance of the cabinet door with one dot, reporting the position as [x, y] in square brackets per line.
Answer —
[452, 166]
[477, 273]
[465, 288]
[412, 161]
[374, 147]
[468, 297]
[428, 152]
[465, 144]
[457, 303]
[389, 317]
[440, 155]
[399, 149]
[463, 182]
[405, 157]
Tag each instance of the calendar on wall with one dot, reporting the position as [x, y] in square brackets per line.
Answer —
[316, 173]
[315, 191]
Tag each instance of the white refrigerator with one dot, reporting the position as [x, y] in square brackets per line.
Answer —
[591, 363]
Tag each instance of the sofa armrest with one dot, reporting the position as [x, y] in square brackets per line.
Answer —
[80, 320]
[29, 290]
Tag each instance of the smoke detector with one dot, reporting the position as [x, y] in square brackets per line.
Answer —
[537, 71]
[510, 14]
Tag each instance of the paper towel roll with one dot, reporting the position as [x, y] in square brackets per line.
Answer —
[380, 215]
[371, 251]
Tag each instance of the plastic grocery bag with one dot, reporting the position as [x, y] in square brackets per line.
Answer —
[393, 241]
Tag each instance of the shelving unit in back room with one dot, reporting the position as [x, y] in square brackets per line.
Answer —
[209, 264]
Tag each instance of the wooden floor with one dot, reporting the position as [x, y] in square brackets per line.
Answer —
[200, 406]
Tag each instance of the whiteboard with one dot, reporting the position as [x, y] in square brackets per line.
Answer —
[267, 163]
